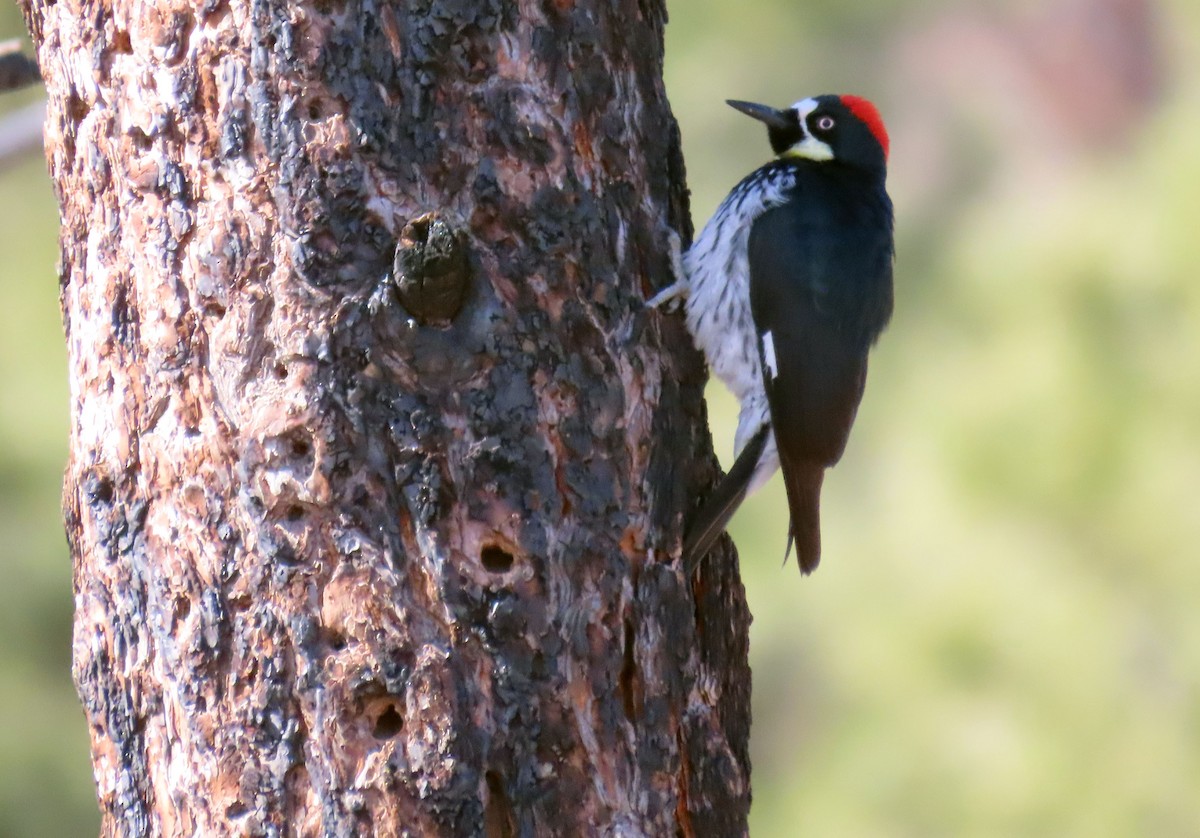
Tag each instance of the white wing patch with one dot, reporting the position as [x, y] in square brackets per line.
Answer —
[768, 350]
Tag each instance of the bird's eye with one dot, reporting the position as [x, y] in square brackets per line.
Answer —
[825, 123]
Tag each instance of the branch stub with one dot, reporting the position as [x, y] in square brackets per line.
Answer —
[431, 270]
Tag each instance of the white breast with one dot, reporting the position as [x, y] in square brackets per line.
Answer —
[718, 277]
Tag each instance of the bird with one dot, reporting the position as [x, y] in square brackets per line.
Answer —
[786, 290]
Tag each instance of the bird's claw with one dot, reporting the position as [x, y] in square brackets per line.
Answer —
[673, 295]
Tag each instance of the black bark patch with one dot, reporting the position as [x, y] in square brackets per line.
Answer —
[506, 129]
[342, 243]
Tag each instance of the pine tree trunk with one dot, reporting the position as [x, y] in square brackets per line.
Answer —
[378, 462]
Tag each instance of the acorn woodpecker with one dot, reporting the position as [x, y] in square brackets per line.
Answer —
[788, 286]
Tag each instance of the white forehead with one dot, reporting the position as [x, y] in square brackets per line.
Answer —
[804, 107]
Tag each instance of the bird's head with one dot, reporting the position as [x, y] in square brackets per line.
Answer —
[847, 129]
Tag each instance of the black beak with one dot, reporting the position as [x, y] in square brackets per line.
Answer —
[772, 118]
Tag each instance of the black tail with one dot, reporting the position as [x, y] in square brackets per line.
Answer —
[710, 521]
[803, 483]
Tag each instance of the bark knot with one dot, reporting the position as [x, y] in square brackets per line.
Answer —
[431, 269]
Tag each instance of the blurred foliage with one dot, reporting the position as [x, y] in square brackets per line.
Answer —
[1003, 638]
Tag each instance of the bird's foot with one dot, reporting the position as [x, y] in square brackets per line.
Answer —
[675, 293]
[671, 297]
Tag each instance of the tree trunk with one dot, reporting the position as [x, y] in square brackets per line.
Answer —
[378, 462]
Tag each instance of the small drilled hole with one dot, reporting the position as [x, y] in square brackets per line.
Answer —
[295, 512]
[77, 109]
[103, 491]
[280, 371]
[141, 140]
[496, 559]
[389, 723]
[121, 42]
[300, 448]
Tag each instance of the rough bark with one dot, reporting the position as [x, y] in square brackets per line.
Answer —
[377, 460]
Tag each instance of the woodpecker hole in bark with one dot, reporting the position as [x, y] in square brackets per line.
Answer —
[335, 640]
[389, 721]
[431, 270]
[496, 559]
[100, 490]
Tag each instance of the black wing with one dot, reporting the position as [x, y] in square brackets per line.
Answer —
[813, 285]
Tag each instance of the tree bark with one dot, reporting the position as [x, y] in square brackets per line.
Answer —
[378, 462]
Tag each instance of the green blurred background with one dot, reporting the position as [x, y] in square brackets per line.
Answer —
[1004, 637]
